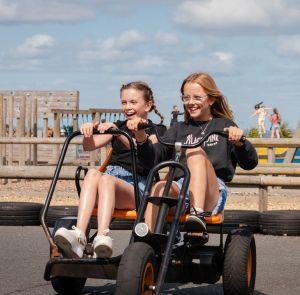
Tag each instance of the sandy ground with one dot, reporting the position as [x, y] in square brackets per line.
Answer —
[65, 194]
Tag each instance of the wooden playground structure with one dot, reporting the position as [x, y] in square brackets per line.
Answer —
[40, 115]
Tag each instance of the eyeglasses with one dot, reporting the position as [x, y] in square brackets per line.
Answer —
[196, 98]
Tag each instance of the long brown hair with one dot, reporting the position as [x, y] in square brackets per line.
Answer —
[148, 95]
[220, 108]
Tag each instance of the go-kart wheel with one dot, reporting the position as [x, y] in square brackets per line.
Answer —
[137, 270]
[67, 285]
[239, 267]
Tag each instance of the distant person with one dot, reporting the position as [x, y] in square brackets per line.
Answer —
[261, 112]
[174, 114]
[50, 132]
[275, 124]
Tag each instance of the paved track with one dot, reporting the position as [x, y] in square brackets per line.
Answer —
[24, 252]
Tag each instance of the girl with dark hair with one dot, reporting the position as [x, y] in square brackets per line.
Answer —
[275, 124]
[114, 188]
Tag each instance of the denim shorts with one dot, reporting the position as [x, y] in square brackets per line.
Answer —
[125, 175]
[222, 196]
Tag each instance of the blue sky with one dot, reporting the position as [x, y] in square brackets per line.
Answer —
[250, 47]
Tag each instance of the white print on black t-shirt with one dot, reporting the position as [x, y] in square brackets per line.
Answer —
[212, 140]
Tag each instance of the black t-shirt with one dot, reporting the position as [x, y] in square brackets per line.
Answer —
[174, 115]
[223, 154]
[121, 155]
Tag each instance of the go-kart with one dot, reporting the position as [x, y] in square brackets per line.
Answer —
[154, 258]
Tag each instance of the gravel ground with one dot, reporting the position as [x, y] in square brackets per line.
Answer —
[65, 194]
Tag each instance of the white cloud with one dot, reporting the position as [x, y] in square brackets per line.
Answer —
[224, 57]
[290, 45]
[35, 53]
[148, 62]
[113, 48]
[166, 38]
[237, 16]
[7, 10]
[44, 11]
[35, 46]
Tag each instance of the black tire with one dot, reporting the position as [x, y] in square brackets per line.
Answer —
[68, 286]
[56, 212]
[237, 218]
[20, 213]
[239, 269]
[137, 269]
[280, 222]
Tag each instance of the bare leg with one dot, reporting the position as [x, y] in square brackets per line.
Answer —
[272, 132]
[152, 210]
[88, 198]
[277, 133]
[204, 189]
[263, 128]
[113, 193]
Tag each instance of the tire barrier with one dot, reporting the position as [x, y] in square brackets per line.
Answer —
[280, 222]
[56, 212]
[275, 222]
[20, 213]
[237, 218]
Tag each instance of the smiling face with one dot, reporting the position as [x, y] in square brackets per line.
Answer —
[134, 104]
[196, 102]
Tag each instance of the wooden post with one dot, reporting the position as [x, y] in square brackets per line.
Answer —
[271, 155]
[35, 119]
[21, 130]
[2, 134]
[45, 125]
[56, 133]
[75, 122]
[93, 154]
[10, 128]
[3, 111]
[28, 126]
[262, 198]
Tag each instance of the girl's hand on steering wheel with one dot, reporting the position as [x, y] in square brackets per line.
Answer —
[234, 135]
[87, 129]
[134, 123]
[102, 127]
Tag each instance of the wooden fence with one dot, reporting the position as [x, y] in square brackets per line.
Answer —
[262, 177]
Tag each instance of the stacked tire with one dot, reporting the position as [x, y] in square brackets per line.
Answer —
[56, 212]
[234, 219]
[20, 213]
[280, 222]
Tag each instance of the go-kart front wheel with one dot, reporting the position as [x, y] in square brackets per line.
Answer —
[67, 285]
[137, 270]
[239, 267]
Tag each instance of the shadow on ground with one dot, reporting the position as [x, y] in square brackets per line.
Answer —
[179, 289]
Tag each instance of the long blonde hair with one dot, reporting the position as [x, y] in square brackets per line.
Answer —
[220, 108]
[148, 95]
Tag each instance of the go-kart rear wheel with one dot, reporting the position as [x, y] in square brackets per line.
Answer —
[67, 285]
[239, 267]
[137, 270]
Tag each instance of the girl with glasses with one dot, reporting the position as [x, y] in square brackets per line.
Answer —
[212, 164]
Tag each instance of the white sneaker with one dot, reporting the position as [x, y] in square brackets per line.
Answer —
[103, 246]
[70, 241]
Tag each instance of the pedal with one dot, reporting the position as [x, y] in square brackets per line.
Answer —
[89, 251]
[196, 238]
